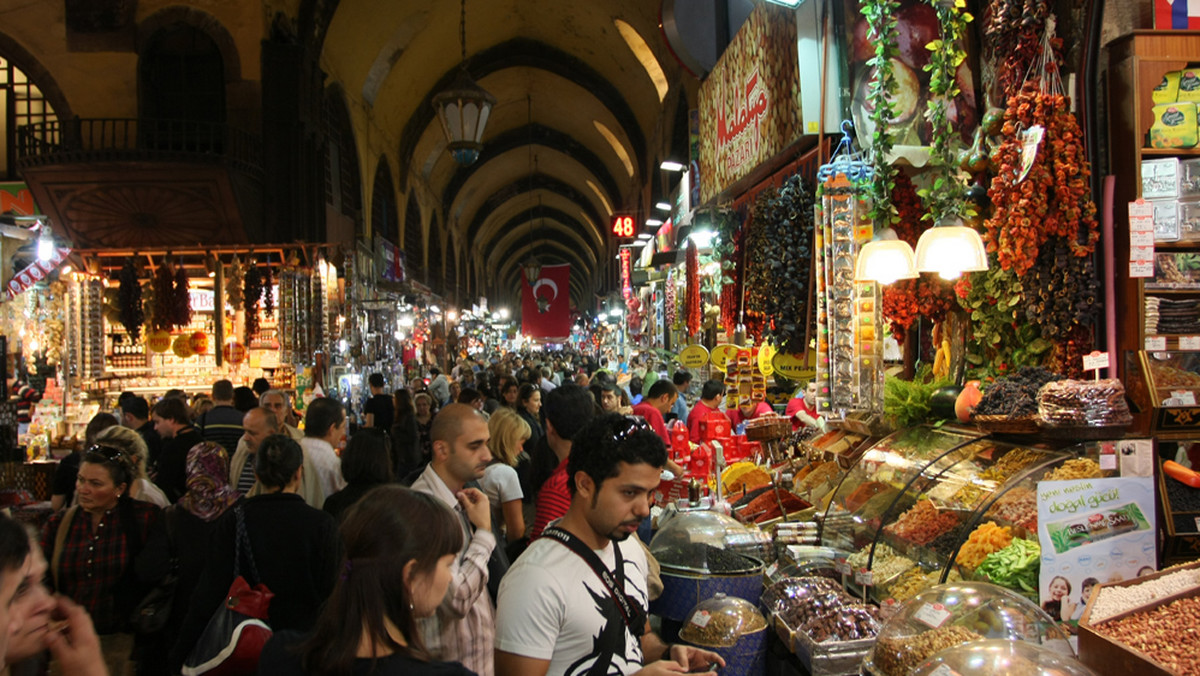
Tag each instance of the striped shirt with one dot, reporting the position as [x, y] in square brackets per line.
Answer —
[553, 500]
[463, 629]
[246, 479]
[222, 425]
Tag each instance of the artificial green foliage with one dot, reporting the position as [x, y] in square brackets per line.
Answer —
[881, 29]
[946, 195]
[907, 403]
[1002, 340]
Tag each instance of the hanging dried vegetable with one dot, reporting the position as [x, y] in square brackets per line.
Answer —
[1054, 199]
[1060, 290]
[181, 305]
[252, 291]
[234, 280]
[268, 292]
[730, 241]
[787, 235]
[693, 289]
[670, 309]
[1012, 32]
[756, 280]
[129, 298]
[164, 298]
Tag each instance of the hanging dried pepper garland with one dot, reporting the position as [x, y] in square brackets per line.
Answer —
[181, 305]
[164, 298]
[786, 262]
[757, 274]
[252, 290]
[1061, 291]
[693, 289]
[1012, 32]
[728, 249]
[129, 297]
[268, 292]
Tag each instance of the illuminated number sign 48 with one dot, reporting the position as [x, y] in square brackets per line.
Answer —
[623, 226]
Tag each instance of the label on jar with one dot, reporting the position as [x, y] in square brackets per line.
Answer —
[932, 614]
[864, 577]
[701, 619]
[771, 570]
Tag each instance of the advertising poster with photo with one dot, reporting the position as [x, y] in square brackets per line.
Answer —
[1092, 531]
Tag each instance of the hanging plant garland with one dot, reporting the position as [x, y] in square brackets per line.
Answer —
[946, 196]
[130, 300]
[881, 29]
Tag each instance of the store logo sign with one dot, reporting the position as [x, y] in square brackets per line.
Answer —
[740, 136]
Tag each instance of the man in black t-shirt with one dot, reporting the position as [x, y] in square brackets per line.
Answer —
[379, 411]
[135, 414]
[172, 423]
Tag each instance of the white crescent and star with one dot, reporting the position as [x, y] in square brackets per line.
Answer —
[547, 282]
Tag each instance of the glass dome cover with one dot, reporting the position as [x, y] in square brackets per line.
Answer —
[952, 614]
[721, 621]
[709, 542]
[997, 657]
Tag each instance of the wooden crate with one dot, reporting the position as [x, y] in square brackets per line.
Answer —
[1110, 657]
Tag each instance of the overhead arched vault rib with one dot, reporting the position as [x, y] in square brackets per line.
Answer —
[516, 213]
[501, 248]
[537, 182]
[524, 52]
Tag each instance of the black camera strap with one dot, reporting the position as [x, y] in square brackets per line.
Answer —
[614, 584]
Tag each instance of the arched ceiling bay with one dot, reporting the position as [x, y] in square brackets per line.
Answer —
[567, 84]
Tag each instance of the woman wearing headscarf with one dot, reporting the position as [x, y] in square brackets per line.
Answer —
[189, 527]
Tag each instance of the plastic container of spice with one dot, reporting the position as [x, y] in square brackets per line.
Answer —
[734, 629]
[948, 615]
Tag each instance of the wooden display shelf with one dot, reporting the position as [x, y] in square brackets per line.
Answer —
[1171, 152]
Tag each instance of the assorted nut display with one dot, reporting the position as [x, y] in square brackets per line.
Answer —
[820, 609]
[1014, 461]
[1114, 600]
[1084, 403]
[1161, 632]
[721, 630]
[922, 523]
[899, 656]
[1018, 507]
[888, 563]
[1076, 468]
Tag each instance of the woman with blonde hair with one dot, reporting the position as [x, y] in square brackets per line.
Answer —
[500, 483]
[132, 445]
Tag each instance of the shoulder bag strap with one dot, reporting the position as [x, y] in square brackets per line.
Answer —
[60, 538]
[614, 584]
[241, 542]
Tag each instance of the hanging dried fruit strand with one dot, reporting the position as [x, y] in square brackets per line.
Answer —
[181, 305]
[251, 294]
[693, 289]
[164, 298]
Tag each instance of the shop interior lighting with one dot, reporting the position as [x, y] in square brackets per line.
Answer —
[66, 270]
[645, 235]
[653, 222]
[452, 315]
[616, 313]
[503, 313]
[463, 109]
[663, 206]
[670, 165]
[885, 259]
[435, 309]
[45, 243]
[702, 238]
[787, 3]
[950, 249]
[405, 321]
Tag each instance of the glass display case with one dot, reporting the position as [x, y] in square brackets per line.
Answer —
[997, 657]
[707, 542]
[912, 501]
[1166, 386]
[950, 615]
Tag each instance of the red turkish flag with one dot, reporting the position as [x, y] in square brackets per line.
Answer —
[546, 304]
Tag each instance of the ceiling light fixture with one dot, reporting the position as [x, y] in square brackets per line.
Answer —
[531, 267]
[669, 165]
[653, 222]
[45, 242]
[950, 249]
[885, 259]
[464, 108]
[664, 206]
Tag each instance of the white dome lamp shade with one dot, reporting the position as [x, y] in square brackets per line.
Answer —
[950, 249]
[885, 259]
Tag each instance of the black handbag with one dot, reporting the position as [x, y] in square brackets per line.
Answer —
[152, 612]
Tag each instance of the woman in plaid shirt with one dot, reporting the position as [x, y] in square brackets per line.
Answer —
[93, 549]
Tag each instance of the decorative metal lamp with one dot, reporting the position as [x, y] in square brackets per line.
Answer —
[463, 109]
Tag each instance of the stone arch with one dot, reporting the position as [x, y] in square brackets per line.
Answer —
[201, 20]
[385, 217]
[413, 245]
[37, 73]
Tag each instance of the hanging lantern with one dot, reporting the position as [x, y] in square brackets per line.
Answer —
[464, 107]
[181, 346]
[198, 341]
[158, 341]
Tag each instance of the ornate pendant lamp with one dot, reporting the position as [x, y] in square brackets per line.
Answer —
[463, 109]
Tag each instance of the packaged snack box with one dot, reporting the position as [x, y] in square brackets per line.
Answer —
[1174, 126]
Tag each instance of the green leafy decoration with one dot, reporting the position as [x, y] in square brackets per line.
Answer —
[881, 30]
[946, 197]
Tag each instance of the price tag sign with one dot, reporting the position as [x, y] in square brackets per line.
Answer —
[701, 619]
[1141, 269]
[841, 566]
[888, 608]
[1189, 342]
[1141, 239]
[1156, 343]
[1141, 210]
[865, 577]
[765, 355]
[694, 356]
[1095, 361]
[771, 571]
[1183, 398]
[721, 355]
[932, 614]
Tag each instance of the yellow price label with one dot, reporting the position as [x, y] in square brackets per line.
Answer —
[722, 354]
[793, 366]
[693, 356]
[765, 354]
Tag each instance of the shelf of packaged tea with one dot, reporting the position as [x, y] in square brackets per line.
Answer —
[1170, 152]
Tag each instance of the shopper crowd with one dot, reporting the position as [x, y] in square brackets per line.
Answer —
[477, 520]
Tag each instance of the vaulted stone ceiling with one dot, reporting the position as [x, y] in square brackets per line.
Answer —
[578, 130]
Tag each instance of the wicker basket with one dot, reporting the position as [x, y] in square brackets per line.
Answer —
[1003, 424]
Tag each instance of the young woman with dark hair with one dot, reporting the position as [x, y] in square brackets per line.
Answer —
[399, 549]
